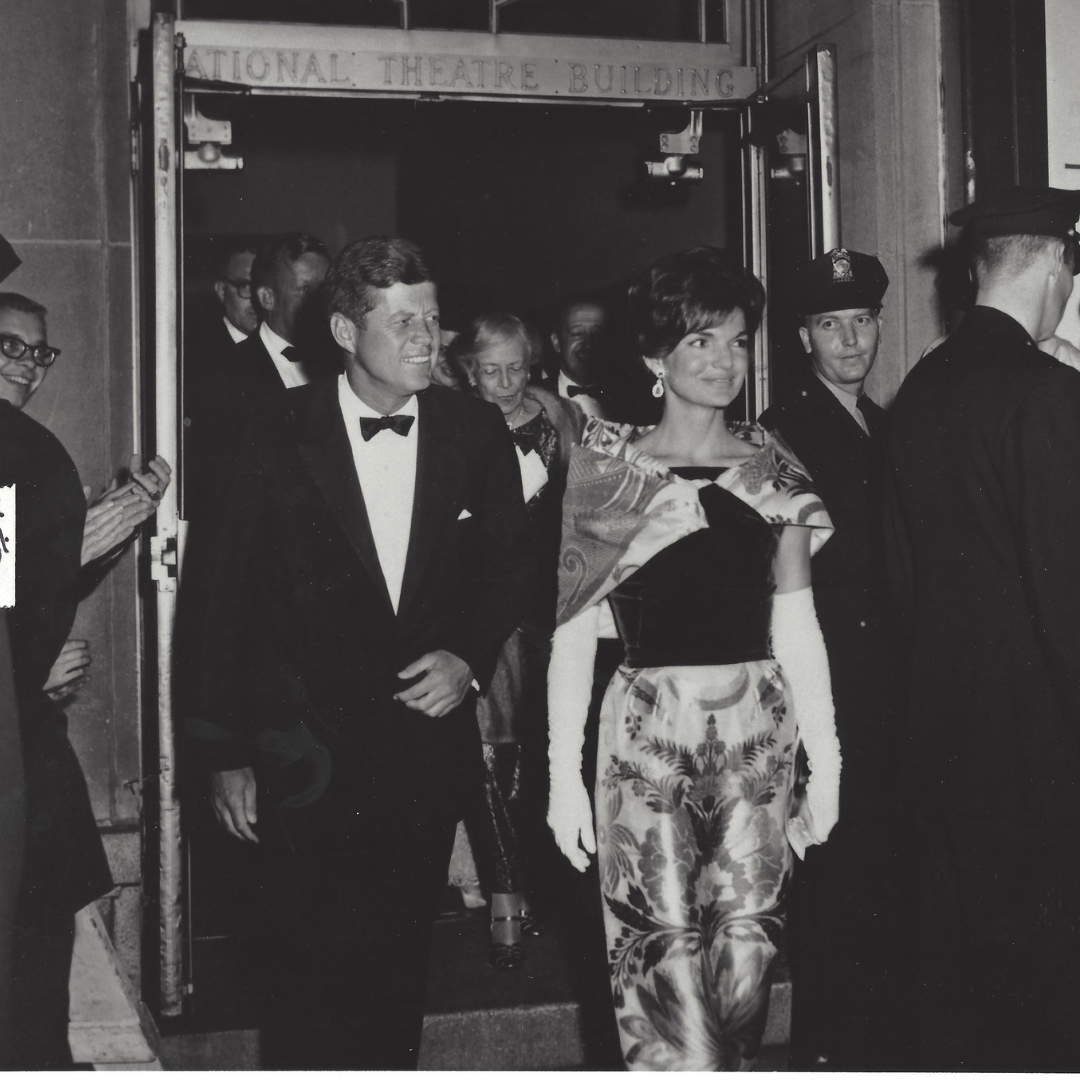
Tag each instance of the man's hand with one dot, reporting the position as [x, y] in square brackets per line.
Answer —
[113, 518]
[155, 479]
[68, 673]
[444, 685]
[232, 794]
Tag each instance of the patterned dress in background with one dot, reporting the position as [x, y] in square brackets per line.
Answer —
[697, 743]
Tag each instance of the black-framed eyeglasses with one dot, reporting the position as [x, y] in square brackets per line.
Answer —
[14, 348]
[243, 288]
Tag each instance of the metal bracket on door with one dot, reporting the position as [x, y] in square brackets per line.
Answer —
[163, 561]
[677, 146]
[209, 136]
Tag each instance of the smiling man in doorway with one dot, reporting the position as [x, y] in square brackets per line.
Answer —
[373, 559]
[844, 904]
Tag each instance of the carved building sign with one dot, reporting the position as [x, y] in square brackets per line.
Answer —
[466, 63]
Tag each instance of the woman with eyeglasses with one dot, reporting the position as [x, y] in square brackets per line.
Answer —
[696, 536]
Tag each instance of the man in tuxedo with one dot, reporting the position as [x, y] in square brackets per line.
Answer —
[844, 907]
[591, 370]
[577, 337]
[286, 276]
[371, 561]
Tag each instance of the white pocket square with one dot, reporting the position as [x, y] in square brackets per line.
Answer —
[463, 515]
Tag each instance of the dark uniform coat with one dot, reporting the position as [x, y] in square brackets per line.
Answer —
[844, 904]
[984, 528]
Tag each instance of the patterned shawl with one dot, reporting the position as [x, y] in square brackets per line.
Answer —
[622, 507]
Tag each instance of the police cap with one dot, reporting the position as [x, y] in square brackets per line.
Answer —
[838, 280]
[1016, 211]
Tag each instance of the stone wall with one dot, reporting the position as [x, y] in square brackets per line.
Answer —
[65, 207]
[895, 189]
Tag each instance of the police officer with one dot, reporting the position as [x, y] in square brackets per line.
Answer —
[844, 903]
[983, 505]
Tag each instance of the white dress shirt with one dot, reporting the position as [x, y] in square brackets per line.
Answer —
[236, 335]
[848, 400]
[292, 374]
[589, 405]
[386, 469]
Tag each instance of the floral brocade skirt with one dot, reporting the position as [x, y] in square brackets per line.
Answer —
[693, 792]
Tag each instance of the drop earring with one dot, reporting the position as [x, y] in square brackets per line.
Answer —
[658, 386]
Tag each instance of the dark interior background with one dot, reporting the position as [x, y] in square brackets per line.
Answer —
[514, 204]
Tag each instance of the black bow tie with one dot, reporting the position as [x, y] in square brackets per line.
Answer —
[291, 352]
[526, 440]
[370, 426]
[588, 391]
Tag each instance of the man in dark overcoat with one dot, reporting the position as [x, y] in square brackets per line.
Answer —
[983, 504]
[65, 866]
[373, 558]
[844, 906]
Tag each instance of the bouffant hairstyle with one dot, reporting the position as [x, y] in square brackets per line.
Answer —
[364, 266]
[686, 292]
[483, 331]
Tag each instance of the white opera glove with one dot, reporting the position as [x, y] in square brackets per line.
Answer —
[800, 650]
[570, 680]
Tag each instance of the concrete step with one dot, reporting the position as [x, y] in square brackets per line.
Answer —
[553, 1013]
[109, 1029]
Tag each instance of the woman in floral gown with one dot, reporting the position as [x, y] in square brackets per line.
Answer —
[696, 536]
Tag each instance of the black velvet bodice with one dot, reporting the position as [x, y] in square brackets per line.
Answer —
[707, 598]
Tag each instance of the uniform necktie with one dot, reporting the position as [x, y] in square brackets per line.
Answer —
[861, 403]
[370, 426]
[291, 352]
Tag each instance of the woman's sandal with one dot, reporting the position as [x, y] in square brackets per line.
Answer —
[531, 926]
[503, 956]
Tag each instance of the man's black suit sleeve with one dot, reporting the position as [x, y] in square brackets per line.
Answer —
[506, 574]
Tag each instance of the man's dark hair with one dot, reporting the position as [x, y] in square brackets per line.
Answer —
[279, 250]
[689, 291]
[236, 245]
[576, 298]
[376, 262]
[13, 301]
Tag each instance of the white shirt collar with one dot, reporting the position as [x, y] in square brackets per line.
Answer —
[352, 408]
[273, 341]
[236, 335]
[849, 400]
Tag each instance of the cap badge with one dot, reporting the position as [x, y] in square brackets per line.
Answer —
[841, 265]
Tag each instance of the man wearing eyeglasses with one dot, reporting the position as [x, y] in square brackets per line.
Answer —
[65, 866]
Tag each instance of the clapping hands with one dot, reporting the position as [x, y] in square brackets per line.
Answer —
[122, 508]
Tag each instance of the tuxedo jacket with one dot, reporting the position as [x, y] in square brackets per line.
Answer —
[299, 644]
[65, 865]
